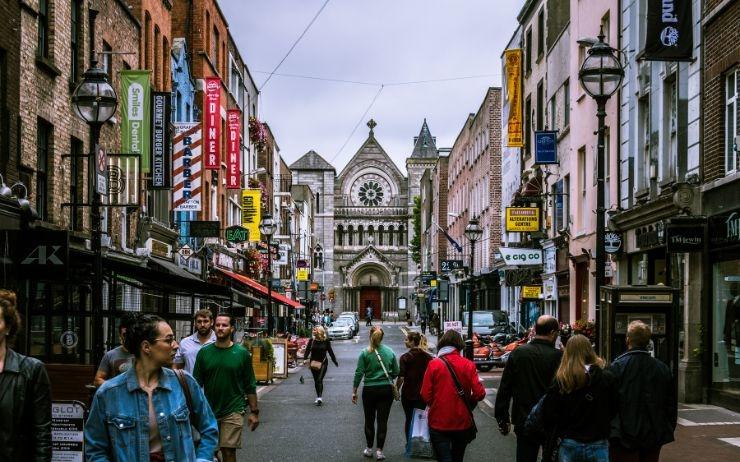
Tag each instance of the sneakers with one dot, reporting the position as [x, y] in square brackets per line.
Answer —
[379, 455]
[319, 401]
[368, 452]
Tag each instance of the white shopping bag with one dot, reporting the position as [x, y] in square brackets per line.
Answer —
[419, 445]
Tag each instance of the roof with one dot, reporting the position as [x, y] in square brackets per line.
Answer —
[311, 161]
[424, 144]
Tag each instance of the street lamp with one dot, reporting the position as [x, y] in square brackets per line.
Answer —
[600, 75]
[267, 228]
[473, 232]
[95, 101]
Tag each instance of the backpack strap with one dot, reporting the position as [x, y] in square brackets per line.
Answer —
[458, 386]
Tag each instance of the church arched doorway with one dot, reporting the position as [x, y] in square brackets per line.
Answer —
[371, 287]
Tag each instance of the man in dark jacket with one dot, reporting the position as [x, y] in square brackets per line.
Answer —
[648, 409]
[529, 371]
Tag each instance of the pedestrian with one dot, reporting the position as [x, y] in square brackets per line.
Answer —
[317, 350]
[368, 316]
[377, 366]
[642, 426]
[191, 345]
[413, 364]
[408, 319]
[25, 394]
[146, 413]
[224, 370]
[451, 388]
[580, 405]
[528, 374]
[423, 325]
[435, 324]
[119, 359]
[417, 318]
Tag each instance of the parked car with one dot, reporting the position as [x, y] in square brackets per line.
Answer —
[487, 323]
[353, 320]
[341, 328]
[354, 315]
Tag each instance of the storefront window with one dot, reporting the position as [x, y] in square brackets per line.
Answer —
[726, 328]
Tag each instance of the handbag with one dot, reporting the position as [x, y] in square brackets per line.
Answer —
[419, 445]
[473, 431]
[316, 365]
[396, 393]
[189, 402]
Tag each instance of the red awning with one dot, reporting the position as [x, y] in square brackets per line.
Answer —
[276, 296]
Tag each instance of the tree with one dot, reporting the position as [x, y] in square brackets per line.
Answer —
[415, 245]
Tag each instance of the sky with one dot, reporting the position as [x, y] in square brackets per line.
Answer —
[374, 42]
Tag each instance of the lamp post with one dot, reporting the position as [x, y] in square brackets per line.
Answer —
[268, 227]
[473, 232]
[94, 101]
[600, 76]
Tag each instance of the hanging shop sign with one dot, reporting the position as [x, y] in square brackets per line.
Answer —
[549, 265]
[522, 219]
[301, 264]
[205, 229]
[302, 274]
[514, 256]
[236, 234]
[192, 265]
[185, 251]
[724, 229]
[187, 167]
[685, 234]
[513, 69]
[669, 35]
[161, 140]
[67, 430]
[158, 248]
[212, 122]
[545, 147]
[427, 277]
[43, 252]
[101, 171]
[233, 149]
[282, 255]
[451, 265]
[530, 292]
[612, 242]
[135, 126]
[251, 212]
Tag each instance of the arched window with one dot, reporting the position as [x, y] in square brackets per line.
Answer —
[360, 235]
[400, 235]
[370, 234]
[350, 232]
[390, 235]
[340, 235]
[380, 234]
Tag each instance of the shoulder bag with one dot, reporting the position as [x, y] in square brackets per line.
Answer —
[189, 400]
[468, 405]
[396, 393]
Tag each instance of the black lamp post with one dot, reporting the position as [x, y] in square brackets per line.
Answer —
[95, 101]
[267, 228]
[600, 75]
[473, 232]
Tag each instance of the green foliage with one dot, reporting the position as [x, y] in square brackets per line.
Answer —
[415, 245]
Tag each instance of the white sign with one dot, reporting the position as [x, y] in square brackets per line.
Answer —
[191, 265]
[454, 325]
[282, 256]
[550, 266]
[185, 251]
[521, 257]
[67, 428]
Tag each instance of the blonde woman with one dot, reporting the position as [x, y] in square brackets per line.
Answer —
[316, 353]
[581, 404]
[413, 365]
[378, 367]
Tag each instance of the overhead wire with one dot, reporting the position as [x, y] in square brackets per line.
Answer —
[390, 84]
[375, 98]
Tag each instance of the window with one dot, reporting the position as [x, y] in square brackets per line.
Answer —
[540, 105]
[157, 77]
[731, 119]
[76, 181]
[671, 146]
[43, 23]
[559, 210]
[147, 41]
[76, 17]
[605, 27]
[582, 186]
[643, 141]
[165, 64]
[216, 43]
[566, 103]
[360, 235]
[106, 60]
[340, 235]
[350, 232]
[381, 231]
[528, 52]
[541, 34]
[44, 132]
[553, 113]
[528, 126]
[390, 235]
[400, 235]
[208, 27]
[4, 116]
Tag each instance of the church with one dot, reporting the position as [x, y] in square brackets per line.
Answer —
[363, 223]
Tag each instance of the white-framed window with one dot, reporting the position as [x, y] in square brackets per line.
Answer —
[582, 186]
[732, 81]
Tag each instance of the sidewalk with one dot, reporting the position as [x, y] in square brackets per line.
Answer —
[705, 431]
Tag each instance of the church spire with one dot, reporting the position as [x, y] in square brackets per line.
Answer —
[425, 145]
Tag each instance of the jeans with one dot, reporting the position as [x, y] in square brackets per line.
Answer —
[618, 453]
[526, 448]
[318, 378]
[408, 409]
[376, 402]
[449, 445]
[574, 451]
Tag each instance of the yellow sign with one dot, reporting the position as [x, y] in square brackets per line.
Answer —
[522, 219]
[513, 69]
[251, 212]
[302, 274]
[433, 283]
[531, 291]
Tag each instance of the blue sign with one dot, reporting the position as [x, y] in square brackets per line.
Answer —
[546, 147]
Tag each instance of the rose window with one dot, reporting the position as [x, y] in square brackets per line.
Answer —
[371, 193]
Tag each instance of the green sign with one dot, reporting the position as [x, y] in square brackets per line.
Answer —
[237, 234]
[136, 115]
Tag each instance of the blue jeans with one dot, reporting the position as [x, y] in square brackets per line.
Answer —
[449, 445]
[574, 451]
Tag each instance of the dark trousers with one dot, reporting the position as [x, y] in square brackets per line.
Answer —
[408, 409]
[318, 378]
[618, 453]
[526, 448]
[369, 321]
[449, 445]
[376, 402]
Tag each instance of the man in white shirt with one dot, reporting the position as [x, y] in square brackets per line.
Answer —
[191, 345]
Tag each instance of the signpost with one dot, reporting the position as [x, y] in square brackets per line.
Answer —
[453, 325]
[67, 427]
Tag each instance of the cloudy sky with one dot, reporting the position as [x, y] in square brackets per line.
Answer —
[375, 42]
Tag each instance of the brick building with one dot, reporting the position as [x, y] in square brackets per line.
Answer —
[9, 90]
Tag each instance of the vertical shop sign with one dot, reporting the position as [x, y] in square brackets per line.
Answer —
[186, 167]
[161, 140]
[212, 122]
[669, 35]
[513, 71]
[135, 126]
[251, 213]
[233, 151]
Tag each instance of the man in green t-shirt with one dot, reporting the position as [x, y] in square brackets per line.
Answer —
[224, 370]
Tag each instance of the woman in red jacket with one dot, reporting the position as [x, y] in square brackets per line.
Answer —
[451, 423]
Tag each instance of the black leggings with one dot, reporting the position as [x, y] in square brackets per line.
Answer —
[376, 401]
[318, 378]
[408, 409]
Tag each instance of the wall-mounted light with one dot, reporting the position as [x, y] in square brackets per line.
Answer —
[5, 191]
[23, 201]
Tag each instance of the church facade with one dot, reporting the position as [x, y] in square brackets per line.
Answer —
[363, 223]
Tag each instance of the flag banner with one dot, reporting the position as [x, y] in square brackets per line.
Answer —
[187, 167]
[161, 165]
[669, 34]
[513, 68]
[212, 122]
[251, 212]
[233, 150]
[135, 124]
[454, 243]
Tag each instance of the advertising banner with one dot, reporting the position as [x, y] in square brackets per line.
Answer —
[135, 126]
[233, 151]
[212, 122]
[161, 140]
[531, 291]
[513, 69]
[251, 213]
[668, 34]
[187, 167]
[520, 256]
[522, 219]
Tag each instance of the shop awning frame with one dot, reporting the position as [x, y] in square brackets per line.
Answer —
[259, 288]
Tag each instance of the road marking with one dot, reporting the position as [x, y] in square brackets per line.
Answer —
[732, 441]
[688, 423]
[491, 390]
[489, 403]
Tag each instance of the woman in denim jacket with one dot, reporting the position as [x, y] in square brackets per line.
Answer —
[143, 413]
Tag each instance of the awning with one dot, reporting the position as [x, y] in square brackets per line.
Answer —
[249, 282]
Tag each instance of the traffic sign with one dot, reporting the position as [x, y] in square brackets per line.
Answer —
[101, 171]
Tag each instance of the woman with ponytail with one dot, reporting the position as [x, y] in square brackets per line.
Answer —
[377, 366]
[413, 365]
